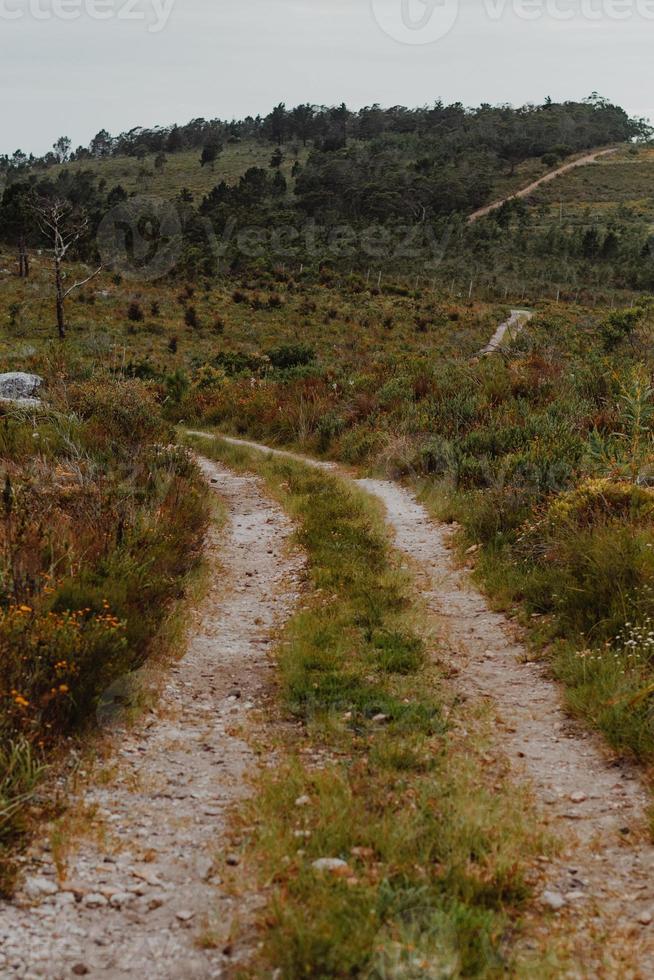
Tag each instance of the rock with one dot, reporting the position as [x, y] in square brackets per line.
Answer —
[65, 898]
[184, 915]
[578, 796]
[76, 888]
[118, 899]
[20, 388]
[94, 900]
[233, 860]
[80, 969]
[303, 801]
[330, 864]
[473, 549]
[645, 918]
[38, 887]
[552, 900]
[204, 867]
[380, 718]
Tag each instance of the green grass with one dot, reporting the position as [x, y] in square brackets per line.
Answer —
[21, 770]
[437, 852]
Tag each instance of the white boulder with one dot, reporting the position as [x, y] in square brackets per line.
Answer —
[20, 388]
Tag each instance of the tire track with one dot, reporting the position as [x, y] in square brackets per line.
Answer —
[147, 879]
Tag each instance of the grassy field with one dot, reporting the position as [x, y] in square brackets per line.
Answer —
[387, 378]
[343, 325]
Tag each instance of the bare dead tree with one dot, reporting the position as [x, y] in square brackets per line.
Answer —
[63, 225]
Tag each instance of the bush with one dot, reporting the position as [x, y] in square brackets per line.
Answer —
[290, 356]
[118, 415]
[191, 318]
[135, 312]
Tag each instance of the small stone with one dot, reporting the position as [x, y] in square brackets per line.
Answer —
[94, 900]
[578, 796]
[20, 388]
[75, 888]
[380, 718]
[204, 867]
[118, 899]
[233, 860]
[184, 915]
[303, 801]
[553, 900]
[38, 887]
[645, 918]
[330, 864]
[80, 969]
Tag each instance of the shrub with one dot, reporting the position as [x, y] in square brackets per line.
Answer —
[191, 318]
[291, 355]
[135, 312]
[118, 415]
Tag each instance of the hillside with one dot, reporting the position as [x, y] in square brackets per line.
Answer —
[378, 189]
[181, 171]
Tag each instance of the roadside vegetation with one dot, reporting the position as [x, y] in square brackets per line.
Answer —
[430, 855]
[543, 455]
[101, 519]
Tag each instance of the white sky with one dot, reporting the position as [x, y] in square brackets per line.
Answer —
[237, 57]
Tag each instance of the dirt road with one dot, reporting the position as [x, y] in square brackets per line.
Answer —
[601, 888]
[526, 191]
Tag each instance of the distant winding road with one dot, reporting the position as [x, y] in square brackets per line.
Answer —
[526, 191]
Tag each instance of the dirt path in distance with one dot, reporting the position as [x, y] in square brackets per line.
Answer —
[143, 889]
[545, 179]
[512, 327]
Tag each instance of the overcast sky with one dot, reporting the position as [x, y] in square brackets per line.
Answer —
[229, 58]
